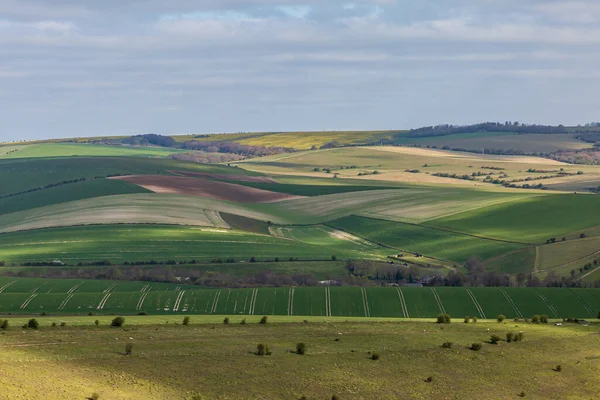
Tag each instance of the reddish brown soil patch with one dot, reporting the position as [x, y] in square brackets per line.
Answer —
[225, 177]
[205, 188]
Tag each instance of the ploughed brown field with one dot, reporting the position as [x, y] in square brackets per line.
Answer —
[239, 178]
[205, 188]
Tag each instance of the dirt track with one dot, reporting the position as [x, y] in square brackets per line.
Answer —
[205, 188]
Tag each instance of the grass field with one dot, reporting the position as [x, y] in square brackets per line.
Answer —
[418, 239]
[64, 297]
[120, 243]
[81, 150]
[174, 361]
[530, 143]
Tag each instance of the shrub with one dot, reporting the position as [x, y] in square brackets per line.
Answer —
[334, 397]
[520, 336]
[467, 320]
[97, 322]
[263, 320]
[94, 396]
[429, 379]
[33, 323]
[500, 318]
[301, 349]
[24, 326]
[63, 324]
[117, 322]
[186, 321]
[535, 319]
[522, 394]
[443, 319]
[544, 319]
[374, 356]
[494, 339]
[4, 324]
[128, 349]
[226, 320]
[243, 322]
[261, 349]
[510, 337]
[558, 368]
[475, 346]
[447, 345]
[475, 320]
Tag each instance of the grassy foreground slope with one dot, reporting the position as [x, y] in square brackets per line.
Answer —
[168, 360]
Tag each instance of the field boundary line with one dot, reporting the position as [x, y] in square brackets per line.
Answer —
[439, 301]
[585, 305]
[327, 301]
[402, 303]
[476, 302]
[365, 302]
[450, 231]
[513, 304]
[253, 297]
[550, 306]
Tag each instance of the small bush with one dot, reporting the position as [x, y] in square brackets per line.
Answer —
[494, 339]
[301, 349]
[226, 320]
[4, 324]
[535, 319]
[186, 321]
[374, 356]
[544, 319]
[520, 336]
[443, 319]
[97, 322]
[128, 349]
[522, 394]
[447, 345]
[429, 379]
[558, 368]
[475, 320]
[334, 397]
[263, 320]
[467, 320]
[94, 396]
[33, 323]
[63, 324]
[475, 346]
[262, 350]
[510, 337]
[24, 326]
[243, 322]
[500, 318]
[117, 322]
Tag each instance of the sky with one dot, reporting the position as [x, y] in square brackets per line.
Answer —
[71, 68]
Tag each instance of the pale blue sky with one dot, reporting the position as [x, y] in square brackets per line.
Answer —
[117, 67]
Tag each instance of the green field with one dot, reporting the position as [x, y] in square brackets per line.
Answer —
[121, 243]
[36, 295]
[80, 150]
[430, 242]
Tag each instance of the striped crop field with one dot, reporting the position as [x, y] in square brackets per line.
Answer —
[64, 296]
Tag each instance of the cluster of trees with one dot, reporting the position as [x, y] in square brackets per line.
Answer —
[507, 126]
[204, 157]
[235, 148]
[150, 139]
[585, 157]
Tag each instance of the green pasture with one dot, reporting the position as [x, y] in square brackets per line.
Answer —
[36, 296]
[532, 220]
[43, 150]
[121, 243]
[428, 241]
